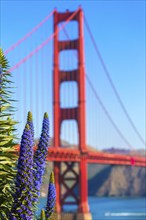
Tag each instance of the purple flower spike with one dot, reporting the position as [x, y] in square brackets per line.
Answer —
[30, 123]
[24, 179]
[40, 156]
[51, 197]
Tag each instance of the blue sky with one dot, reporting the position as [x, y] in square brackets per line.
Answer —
[119, 31]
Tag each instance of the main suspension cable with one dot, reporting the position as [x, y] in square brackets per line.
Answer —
[102, 105]
[28, 34]
[42, 44]
[107, 113]
[112, 84]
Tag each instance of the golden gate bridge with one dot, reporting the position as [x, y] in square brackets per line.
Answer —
[63, 73]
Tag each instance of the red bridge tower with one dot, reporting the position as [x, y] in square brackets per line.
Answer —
[77, 113]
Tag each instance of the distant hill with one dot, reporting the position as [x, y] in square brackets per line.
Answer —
[105, 180]
[137, 152]
[117, 181]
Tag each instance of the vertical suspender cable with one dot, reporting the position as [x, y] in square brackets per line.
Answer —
[112, 84]
[32, 53]
[103, 107]
[42, 97]
[107, 113]
[36, 94]
[29, 33]
[31, 86]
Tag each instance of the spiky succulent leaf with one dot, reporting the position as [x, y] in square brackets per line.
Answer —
[7, 139]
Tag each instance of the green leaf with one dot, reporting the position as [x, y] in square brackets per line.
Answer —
[7, 140]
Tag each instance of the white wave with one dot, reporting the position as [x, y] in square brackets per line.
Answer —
[124, 214]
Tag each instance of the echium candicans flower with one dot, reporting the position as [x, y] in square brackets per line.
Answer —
[40, 156]
[43, 215]
[51, 197]
[22, 206]
[30, 123]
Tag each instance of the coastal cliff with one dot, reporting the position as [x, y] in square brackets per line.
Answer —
[117, 181]
[106, 180]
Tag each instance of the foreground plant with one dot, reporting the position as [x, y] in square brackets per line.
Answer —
[40, 156]
[7, 140]
[43, 215]
[30, 170]
[18, 203]
[22, 206]
[51, 197]
[30, 123]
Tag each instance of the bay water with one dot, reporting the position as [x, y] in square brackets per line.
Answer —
[108, 208]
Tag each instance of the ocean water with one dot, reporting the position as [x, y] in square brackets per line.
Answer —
[113, 208]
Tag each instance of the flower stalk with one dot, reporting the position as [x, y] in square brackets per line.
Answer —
[40, 156]
[51, 197]
[22, 206]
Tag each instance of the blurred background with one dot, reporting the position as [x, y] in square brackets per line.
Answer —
[118, 29]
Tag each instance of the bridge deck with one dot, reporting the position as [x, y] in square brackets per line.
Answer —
[73, 155]
[61, 154]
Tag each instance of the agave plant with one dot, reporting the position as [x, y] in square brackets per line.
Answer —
[7, 139]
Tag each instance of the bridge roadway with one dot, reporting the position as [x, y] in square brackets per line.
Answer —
[74, 155]
[60, 154]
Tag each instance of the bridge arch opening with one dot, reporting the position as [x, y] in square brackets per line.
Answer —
[69, 134]
[70, 31]
[68, 60]
[68, 95]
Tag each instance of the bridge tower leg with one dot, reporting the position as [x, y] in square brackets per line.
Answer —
[77, 113]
